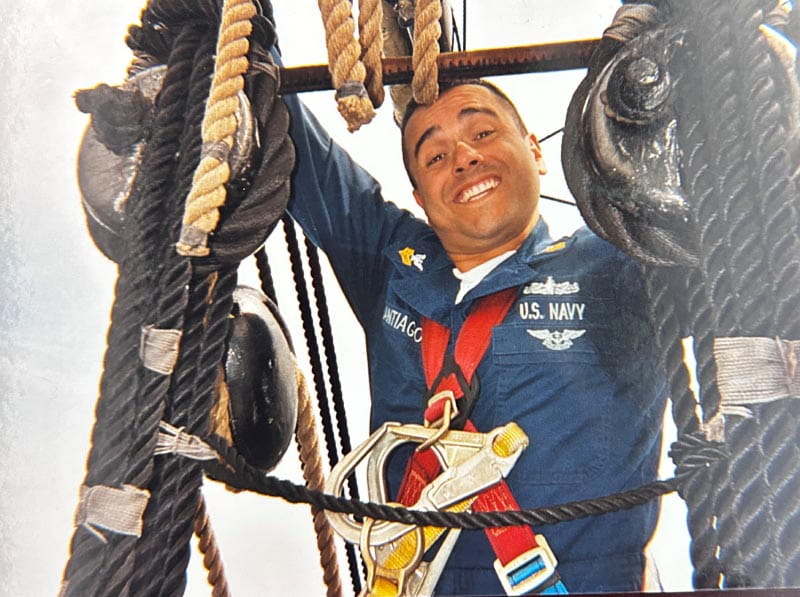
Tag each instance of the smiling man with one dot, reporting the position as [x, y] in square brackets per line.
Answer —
[475, 172]
[565, 347]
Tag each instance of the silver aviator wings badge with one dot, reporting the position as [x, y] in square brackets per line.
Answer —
[558, 339]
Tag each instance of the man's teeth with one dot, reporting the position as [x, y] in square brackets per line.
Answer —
[479, 188]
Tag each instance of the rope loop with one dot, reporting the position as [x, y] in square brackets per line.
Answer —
[370, 37]
[344, 62]
[208, 193]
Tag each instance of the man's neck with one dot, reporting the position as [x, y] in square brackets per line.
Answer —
[467, 261]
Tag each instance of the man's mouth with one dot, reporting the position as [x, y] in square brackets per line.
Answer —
[477, 191]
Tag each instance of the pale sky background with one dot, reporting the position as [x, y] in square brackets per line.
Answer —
[57, 288]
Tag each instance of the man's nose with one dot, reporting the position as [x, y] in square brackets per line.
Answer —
[466, 157]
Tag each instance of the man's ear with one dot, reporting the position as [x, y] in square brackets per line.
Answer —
[417, 198]
[536, 149]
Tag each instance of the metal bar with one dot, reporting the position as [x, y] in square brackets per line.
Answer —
[458, 65]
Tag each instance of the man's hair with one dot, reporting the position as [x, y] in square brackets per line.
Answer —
[413, 106]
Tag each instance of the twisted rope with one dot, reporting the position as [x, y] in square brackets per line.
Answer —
[232, 469]
[153, 545]
[323, 316]
[755, 245]
[207, 544]
[370, 38]
[739, 174]
[316, 369]
[208, 192]
[396, 42]
[265, 275]
[217, 318]
[662, 285]
[122, 433]
[312, 345]
[306, 437]
[156, 287]
[427, 31]
[344, 63]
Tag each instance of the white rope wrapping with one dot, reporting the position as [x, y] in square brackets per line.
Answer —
[159, 348]
[174, 440]
[119, 510]
[754, 371]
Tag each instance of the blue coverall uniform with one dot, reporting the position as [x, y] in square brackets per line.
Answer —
[573, 361]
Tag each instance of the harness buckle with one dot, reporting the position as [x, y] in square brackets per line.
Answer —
[530, 572]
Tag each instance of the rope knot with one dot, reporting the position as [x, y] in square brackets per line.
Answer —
[175, 440]
[692, 453]
[120, 116]
[630, 20]
[354, 105]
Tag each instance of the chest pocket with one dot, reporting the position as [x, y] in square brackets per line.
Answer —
[554, 381]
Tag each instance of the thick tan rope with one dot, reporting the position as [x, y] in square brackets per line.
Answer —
[370, 37]
[344, 63]
[207, 543]
[208, 192]
[311, 461]
[427, 31]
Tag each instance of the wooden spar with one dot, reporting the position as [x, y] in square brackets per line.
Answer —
[458, 65]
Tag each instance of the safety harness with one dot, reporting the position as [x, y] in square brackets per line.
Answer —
[525, 564]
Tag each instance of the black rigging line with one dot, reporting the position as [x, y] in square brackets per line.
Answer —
[456, 38]
[464, 23]
[553, 134]
[550, 197]
[557, 200]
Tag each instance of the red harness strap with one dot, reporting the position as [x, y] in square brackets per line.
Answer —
[472, 342]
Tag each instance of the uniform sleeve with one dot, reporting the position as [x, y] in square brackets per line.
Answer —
[341, 209]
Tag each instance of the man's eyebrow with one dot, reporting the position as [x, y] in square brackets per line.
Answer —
[469, 111]
[476, 110]
[428, 132]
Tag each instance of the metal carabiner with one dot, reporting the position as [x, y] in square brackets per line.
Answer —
[423, 580]
[470, 461]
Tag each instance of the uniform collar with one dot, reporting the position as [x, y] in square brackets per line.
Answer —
[424, 278]
[518, 269]
[426, 282]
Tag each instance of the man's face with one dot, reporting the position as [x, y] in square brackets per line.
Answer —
[476, 173]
